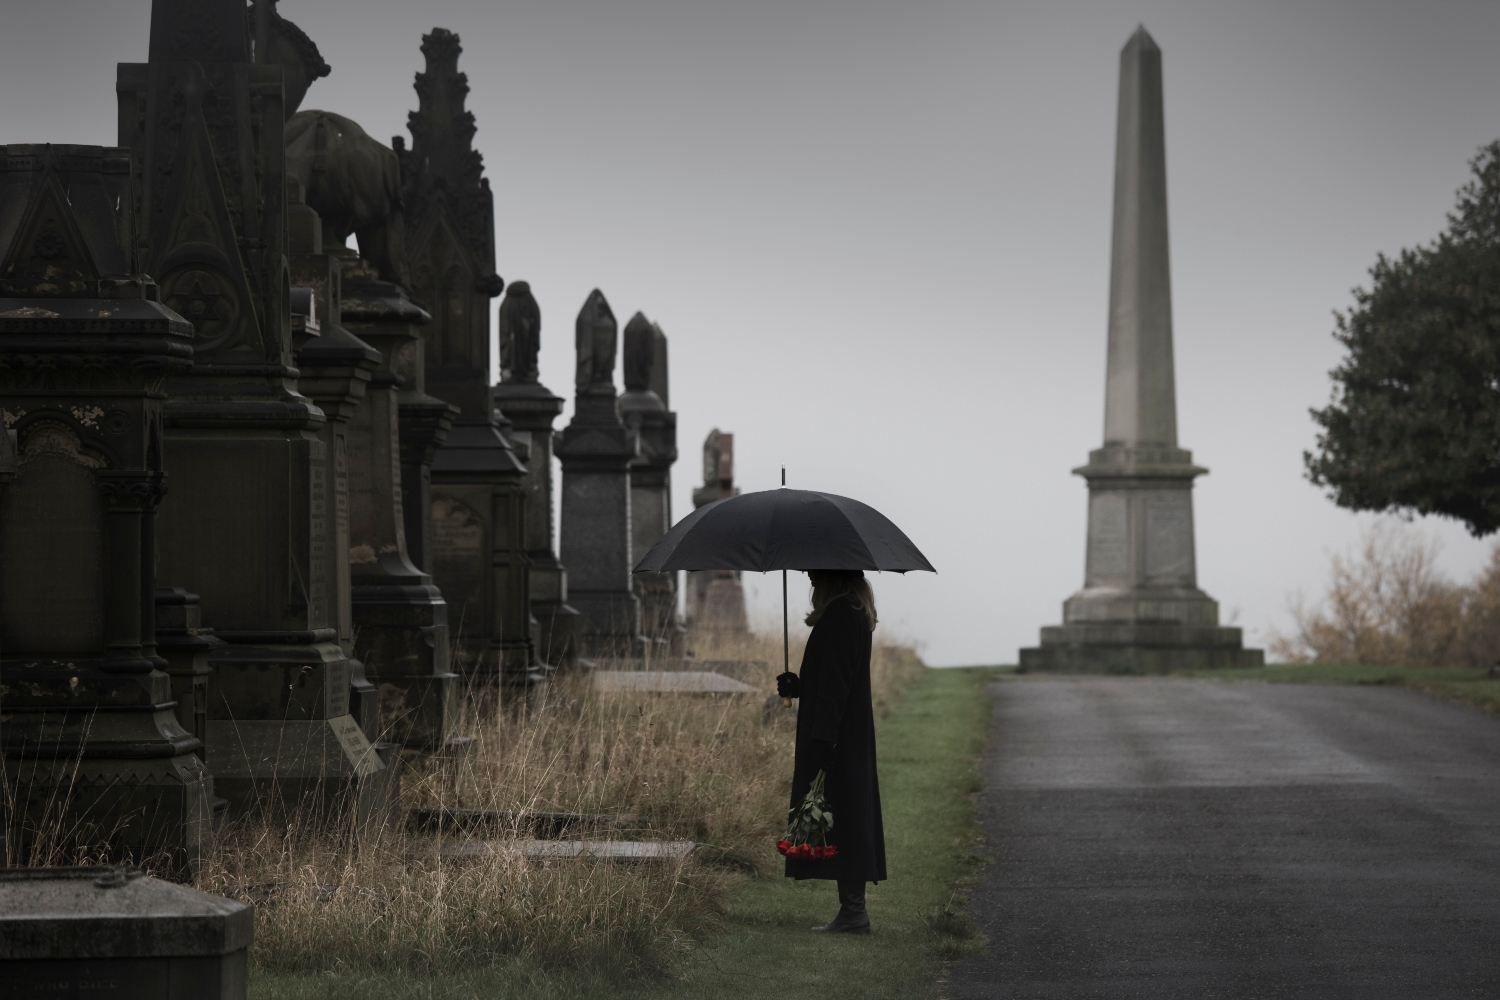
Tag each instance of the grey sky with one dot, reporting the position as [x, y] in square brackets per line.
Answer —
[877, 235]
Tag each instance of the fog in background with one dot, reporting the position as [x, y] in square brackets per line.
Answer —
[877, 236]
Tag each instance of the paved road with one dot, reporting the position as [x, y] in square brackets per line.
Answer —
[1172, 838]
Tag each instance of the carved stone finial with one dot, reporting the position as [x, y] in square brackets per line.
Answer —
[639, 353]
[595, 334]
[289, 47]
[442, 165]
[520, 334]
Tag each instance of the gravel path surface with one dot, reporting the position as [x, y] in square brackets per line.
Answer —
[1161, 837]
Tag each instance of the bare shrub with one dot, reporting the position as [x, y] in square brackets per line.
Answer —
[1387, 605]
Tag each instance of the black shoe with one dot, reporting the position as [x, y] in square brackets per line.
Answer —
[846, 923]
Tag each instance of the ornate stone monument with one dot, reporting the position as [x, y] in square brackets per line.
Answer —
[596, 453]
[531, 407]
[478, 551]
[643, 407]
[716, 598]
[1140, 609]
[93, 753]
[245, 525]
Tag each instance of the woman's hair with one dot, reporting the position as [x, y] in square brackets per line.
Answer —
[831, 584]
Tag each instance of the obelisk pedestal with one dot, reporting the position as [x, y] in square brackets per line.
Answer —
[643, 408]
[531, 408]
[596, 453]
[1140, 609]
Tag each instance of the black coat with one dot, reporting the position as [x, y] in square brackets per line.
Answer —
[835, 707]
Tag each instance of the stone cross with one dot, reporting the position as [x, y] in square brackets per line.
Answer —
[531, 407]
[1140, 609]
[646, 415]
[596, 453]
[478, 551]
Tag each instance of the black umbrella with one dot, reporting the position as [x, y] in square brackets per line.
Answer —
[785, 529]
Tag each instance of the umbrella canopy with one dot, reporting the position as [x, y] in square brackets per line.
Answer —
[784, 529]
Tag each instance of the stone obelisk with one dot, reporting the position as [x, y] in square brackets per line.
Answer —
[1140, 609]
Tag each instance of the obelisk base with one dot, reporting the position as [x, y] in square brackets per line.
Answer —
[1138, 648]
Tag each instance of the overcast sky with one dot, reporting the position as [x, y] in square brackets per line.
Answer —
[877, 236]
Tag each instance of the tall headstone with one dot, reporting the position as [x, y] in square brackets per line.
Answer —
[716, 598]
[1140, 609]
[643, 407]
[478, 551]
[400, 617]
[531, 407]
[245, 525]
[596, 453]
[92, 751]
[336, 370]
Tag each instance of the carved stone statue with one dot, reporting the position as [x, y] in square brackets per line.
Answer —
[354, 184]
[595, 335]
[640, 351]
[520, 334]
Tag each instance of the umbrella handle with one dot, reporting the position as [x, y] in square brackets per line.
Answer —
[786, 703]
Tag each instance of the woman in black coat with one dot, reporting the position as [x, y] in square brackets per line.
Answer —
[836, 734]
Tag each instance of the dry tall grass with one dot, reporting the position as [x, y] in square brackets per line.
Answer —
[704, 769]
[1388, 605]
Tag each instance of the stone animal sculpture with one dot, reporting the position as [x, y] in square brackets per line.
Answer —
[354, 184]
[350, 180]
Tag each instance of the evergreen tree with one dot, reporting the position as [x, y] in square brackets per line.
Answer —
[1414, 424]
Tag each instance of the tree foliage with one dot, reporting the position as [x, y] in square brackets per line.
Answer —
[1414, 423]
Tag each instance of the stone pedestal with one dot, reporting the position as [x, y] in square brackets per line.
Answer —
[477, 551]
[104, 931]
[93, 754]
[643, 408]
[400, 618]
[246, 523]
[1140, 609]
[596, 453]
[530, 407]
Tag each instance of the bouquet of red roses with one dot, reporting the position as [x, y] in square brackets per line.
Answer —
[807, 831]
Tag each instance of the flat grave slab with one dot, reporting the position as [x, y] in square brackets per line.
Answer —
[668, 682]
[572, 850]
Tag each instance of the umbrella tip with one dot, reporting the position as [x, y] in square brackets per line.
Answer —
[783, 477]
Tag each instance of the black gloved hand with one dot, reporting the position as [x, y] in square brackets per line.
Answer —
[822, 754]
[788, 685]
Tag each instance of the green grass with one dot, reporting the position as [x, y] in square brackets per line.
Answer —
[1466, 684]
[927, 749]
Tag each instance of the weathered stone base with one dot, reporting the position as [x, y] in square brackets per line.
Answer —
[114, 810]
[1138, 648]
[402, 639]
[318, 767]
[609, 623]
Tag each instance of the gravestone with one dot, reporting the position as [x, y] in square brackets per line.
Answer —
[478, 550]
[1140, 609]
[643, 408]
[596, 453]
[400, 617]
[94, 756]
[75, 933]
[245, 525]
[336, 368]
[716, 598]
[531, 407]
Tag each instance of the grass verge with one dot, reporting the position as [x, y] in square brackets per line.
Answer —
[927, 750]
[1466, 684]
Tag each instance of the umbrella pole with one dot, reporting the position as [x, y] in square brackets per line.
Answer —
[786, 642]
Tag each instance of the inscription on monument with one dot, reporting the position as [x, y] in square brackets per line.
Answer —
[1169, 535]
[1109, 537]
